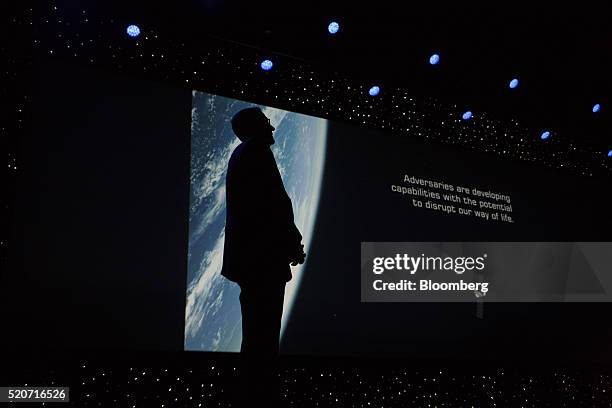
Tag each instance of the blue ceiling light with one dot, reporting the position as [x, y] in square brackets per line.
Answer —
[333, 27]
[545, 135]
[514, 83]
[434, 59]
[374, 91]
[610, 153]
[133, 30]
[467, 115]
[596, 108]
[266, 65]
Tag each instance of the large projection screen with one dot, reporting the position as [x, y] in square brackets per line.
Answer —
[351, 186]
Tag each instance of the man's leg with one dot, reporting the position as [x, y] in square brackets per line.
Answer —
[262, 308]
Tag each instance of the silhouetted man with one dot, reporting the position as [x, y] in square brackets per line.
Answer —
[261, 241]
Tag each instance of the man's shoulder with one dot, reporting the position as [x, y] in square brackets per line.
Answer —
[249, 150]
[238, 149]
[255, 146]
[237, 153]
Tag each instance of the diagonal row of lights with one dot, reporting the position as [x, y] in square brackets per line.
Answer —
[334, 27]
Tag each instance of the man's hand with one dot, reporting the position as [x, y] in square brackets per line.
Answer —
[297, 256]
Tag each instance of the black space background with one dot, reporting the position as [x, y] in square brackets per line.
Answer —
[102, 213]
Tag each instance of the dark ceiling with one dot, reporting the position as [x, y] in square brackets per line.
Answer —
[561, 54]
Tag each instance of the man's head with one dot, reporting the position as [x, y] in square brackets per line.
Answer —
[251, 123]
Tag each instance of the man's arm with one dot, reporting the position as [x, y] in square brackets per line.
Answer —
[293, 236]
[271, 205]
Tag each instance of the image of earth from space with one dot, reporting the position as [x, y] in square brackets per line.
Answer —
[212, 313]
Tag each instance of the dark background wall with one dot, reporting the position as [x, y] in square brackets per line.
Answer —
[357, 204]
[101, 215]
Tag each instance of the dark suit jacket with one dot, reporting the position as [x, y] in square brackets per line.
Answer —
[259, 227]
